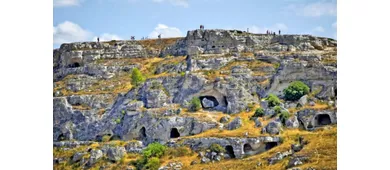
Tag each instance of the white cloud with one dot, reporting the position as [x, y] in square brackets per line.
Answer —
[67, 32]
[63, 3]
[107, 37]
[183, 3]
[334, 25]
[319, 29]
[317, 9]
[275, 28]
[165, 31]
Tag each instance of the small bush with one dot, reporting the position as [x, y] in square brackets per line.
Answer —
[179, 151]
[153, 164]
[154, 150]
[183, 73]
[277, 109]
[284, 116]
[195, 104]
[296, 90]
[217, 148]
[137, 78]
[273, 100]
[117, 121]
[106, 138]
[259, 112]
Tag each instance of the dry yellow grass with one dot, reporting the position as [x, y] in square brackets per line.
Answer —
[157, 44]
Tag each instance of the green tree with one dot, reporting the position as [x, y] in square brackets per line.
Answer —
[137, 77]
[259, 112]
[296, 90]
[195, 104]
[273, 100]
[154, 150]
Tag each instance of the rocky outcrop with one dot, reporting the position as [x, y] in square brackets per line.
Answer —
[311, 118]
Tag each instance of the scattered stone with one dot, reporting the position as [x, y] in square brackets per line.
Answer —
[207, 103]
[297, 160]
[194, 162]
[292, 122]
[77, 156]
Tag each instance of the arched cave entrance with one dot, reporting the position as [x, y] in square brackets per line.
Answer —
[211, 98]
[76, 64]
[229, 151]
[323, 119]
[270, 145]
[142, 134]
[175, 133]
[247, 148]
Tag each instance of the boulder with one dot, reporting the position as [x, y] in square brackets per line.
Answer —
[303, 100]
[224, 119]
[292, 122]
[273, 127]
[297, 160]
[116, 153]
[95, 156]
[258, 122]
[235, 124]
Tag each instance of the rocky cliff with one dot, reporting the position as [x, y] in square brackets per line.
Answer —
[230, 71]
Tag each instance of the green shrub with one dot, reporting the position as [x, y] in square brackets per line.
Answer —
[284, 116]
[153, 164]
[106, 138]
[217, 148]
[277, 109]
[117, 121]
[296, 90]
[154, 150]
[136, 77]
[195, 104]
[183, 73]
[273, 100]
[259, 112]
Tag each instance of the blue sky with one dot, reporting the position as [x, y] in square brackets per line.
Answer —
[84, 20]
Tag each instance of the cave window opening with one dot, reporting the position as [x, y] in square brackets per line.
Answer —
[323, 119]
[211, 98]
[270, 145]
[213, 46]
[174, 133]
[142, 133]
[247, 148]
[229, 151]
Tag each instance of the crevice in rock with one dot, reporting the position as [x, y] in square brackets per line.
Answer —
[270, 145]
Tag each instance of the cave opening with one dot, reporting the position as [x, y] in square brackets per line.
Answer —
[247, 148]
[206, 103]
[323, 119]
[270, 145]
[61, 137]
[175, 133]
[142, 134]
[229, 151]
[76, 64]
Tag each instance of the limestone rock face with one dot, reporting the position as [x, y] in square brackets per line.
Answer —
[95, 156]
[292, 122]
[156, 98]
[311, 118]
